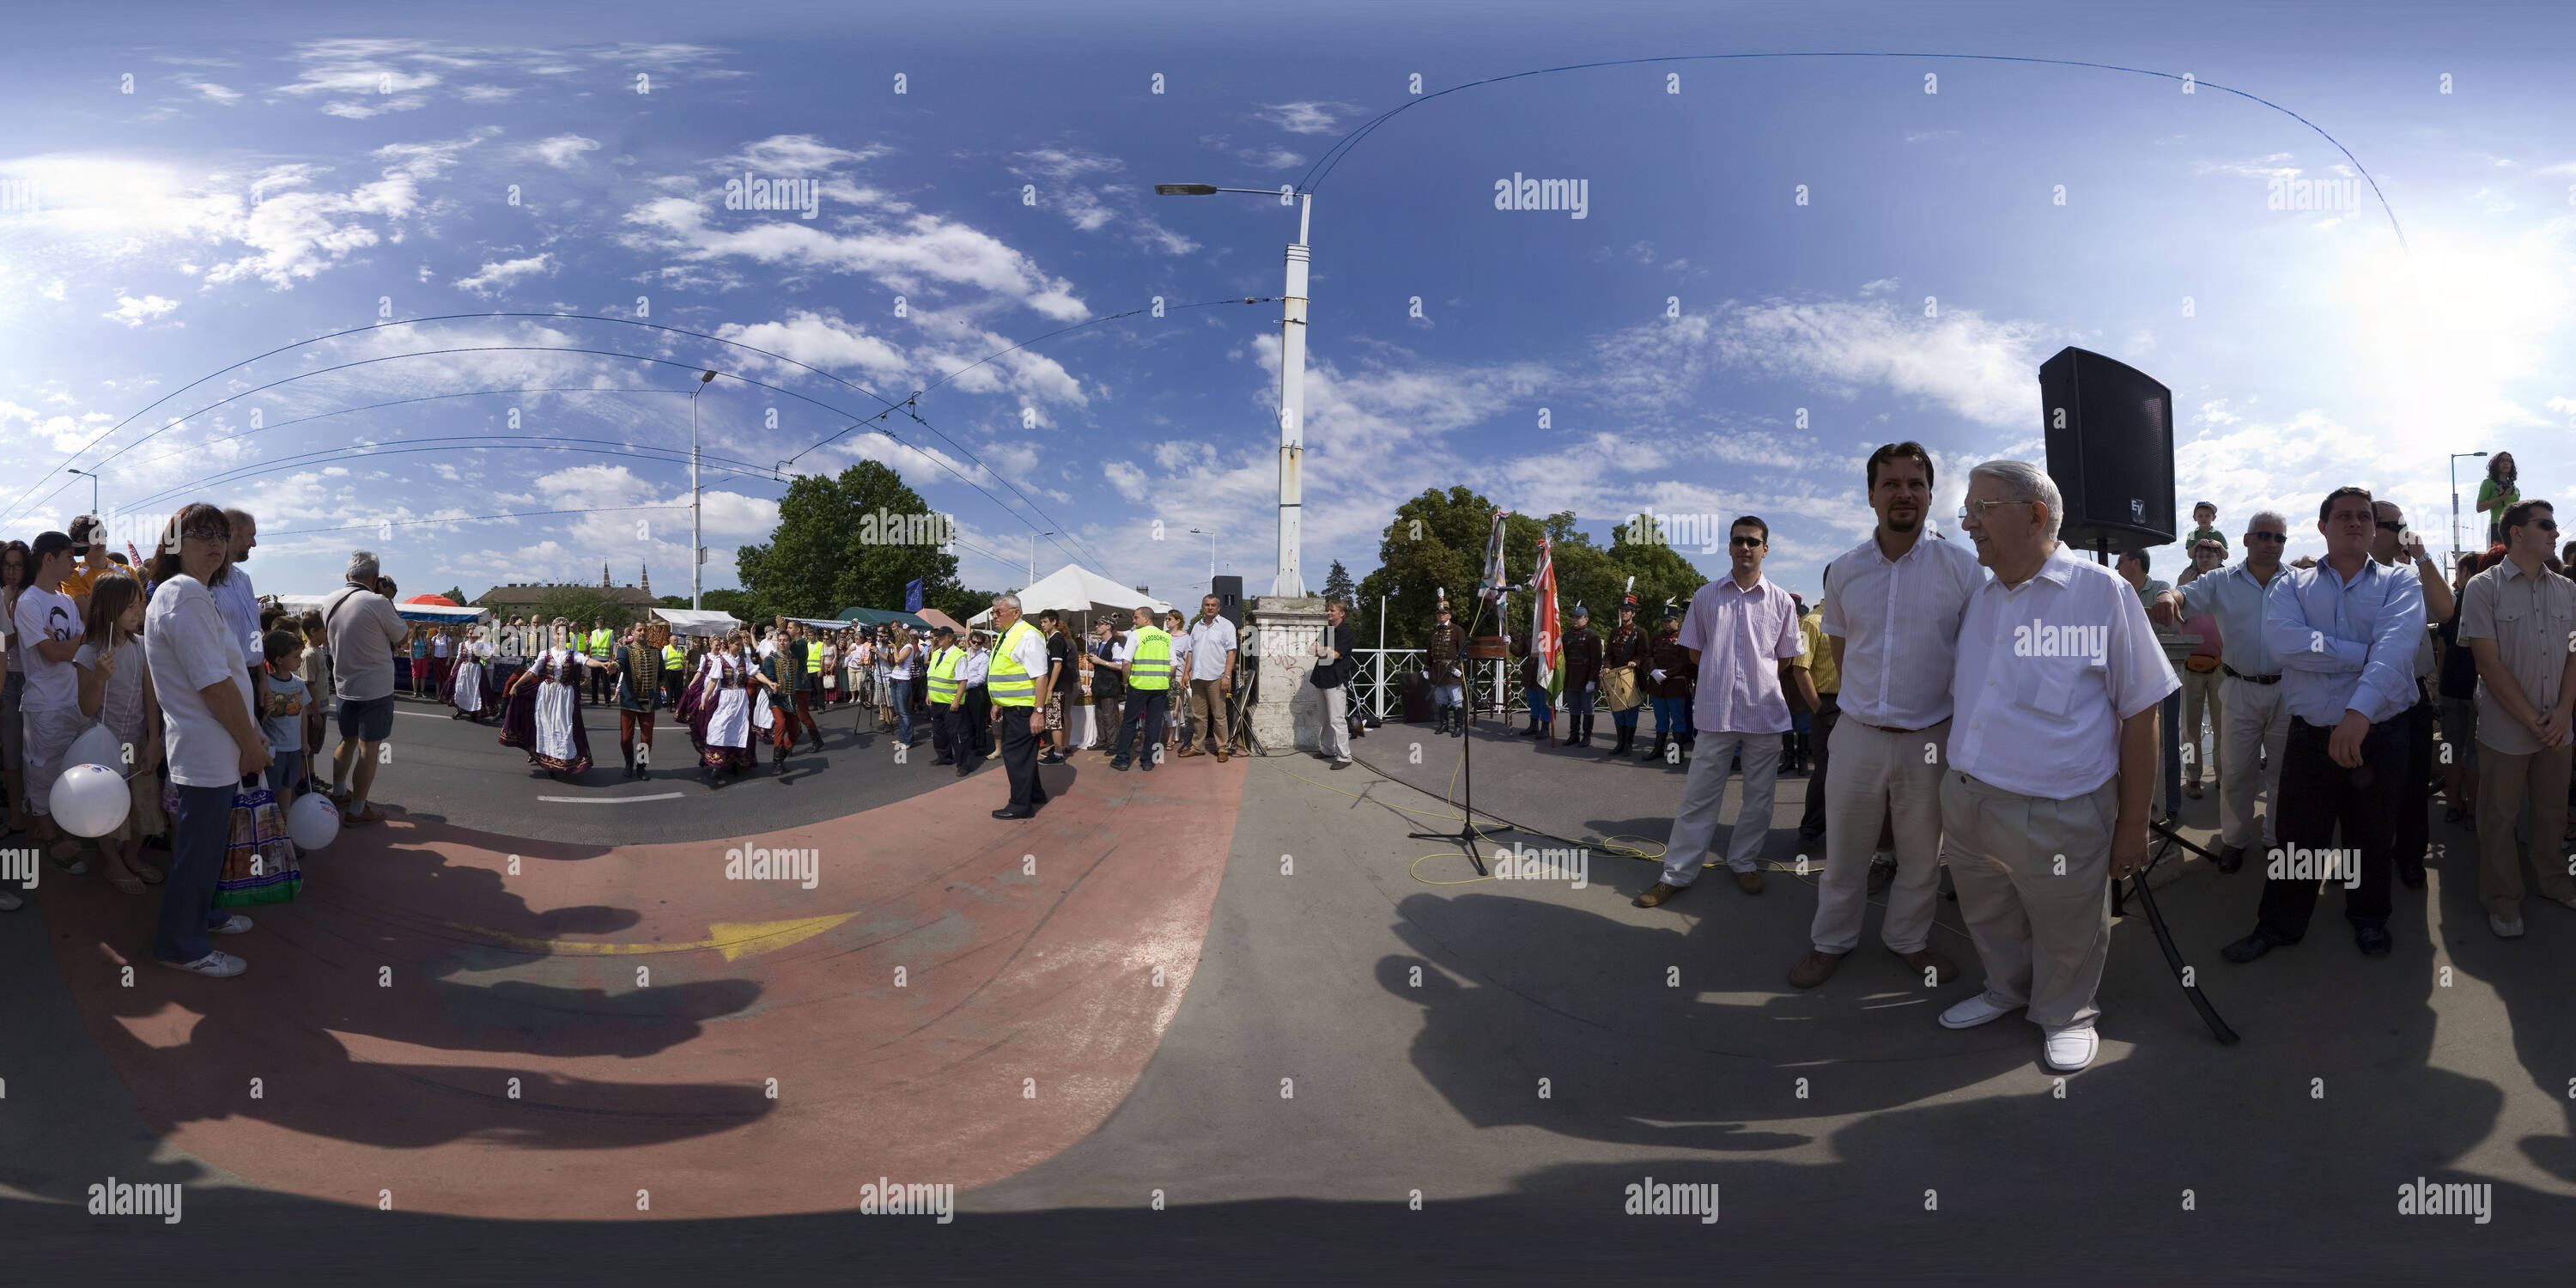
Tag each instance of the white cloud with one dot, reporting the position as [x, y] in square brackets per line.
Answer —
[134, 312]
[1962, 362]
[494, 276]
[1311, 117]
[914, 255]
[563, 151]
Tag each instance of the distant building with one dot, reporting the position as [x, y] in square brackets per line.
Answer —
[521, 598]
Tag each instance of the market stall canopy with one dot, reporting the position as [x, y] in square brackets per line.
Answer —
[821, 623]
[882, 617]
[1080, 591]
[693, 621]
[937, 618]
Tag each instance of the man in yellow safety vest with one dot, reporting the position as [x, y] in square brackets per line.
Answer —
[1019, 682]
[1146, 656]
[602, 648]
[947, 698]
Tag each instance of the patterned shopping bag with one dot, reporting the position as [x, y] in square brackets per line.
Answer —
[259, 860]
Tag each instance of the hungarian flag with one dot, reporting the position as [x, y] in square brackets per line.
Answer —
[1546, 642]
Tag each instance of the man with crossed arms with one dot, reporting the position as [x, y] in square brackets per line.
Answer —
[2252, 714]
[1891, 613]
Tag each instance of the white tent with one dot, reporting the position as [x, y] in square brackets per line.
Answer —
[1078, 591]
[692, 621]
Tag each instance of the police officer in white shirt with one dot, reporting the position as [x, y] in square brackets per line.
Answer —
[1891, 613]
[2053, 757]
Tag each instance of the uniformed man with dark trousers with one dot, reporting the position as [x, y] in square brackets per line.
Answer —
[602, 648]
[1018, 682]
[1669, 673]
[1582, 678]
[1623, 674]
[675, 661]
[1443, 657]
[947, 699]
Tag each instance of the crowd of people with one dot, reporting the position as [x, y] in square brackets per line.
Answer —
[206, 691]
[2003, 705]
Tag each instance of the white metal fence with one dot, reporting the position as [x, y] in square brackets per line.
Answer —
[1380, 681]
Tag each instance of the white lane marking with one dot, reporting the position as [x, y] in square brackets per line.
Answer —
[610, 800]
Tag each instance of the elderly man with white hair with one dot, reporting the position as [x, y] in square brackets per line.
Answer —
[1018, 684]
[364, 629]
[2052, 759]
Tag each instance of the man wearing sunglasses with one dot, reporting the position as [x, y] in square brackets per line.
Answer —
[2345, 633]
[1740, 628]
[2251, 715]
[2391, 545]
[2517, 618]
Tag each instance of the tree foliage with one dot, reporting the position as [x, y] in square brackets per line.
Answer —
[827, 552]
[1337, 583]
[1437, 541]
[582, 605]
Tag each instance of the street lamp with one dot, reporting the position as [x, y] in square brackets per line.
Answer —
[93, 487]
[697, 547]
[1033, 557]
[2455, 504]
[1211, 553]
[1292, 377]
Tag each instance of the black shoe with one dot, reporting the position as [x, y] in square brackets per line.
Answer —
[2254, 945]
[1008, 812]
[2413, 875]
[1119, 765]
[2372, 938]
[1881, 876]
[945, 760]
[2230, 858]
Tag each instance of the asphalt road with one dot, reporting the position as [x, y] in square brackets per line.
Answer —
[456, 771]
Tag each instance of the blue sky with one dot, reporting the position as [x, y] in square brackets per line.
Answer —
[286, 172]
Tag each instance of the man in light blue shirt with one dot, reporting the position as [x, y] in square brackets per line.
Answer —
[2345, 632]
[2252, 717]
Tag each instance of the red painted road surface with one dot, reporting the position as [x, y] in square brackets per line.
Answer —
[1026, 1010]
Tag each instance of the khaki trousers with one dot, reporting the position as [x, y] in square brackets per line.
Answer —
[2503, 781]
[1878, 774]
[1207, 708]
[2042, 934]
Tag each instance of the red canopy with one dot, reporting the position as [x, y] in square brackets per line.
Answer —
[434, 601]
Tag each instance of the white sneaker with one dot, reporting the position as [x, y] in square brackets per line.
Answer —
[233, 925]
[2503, 928]
[213, 965]
[2070, 1049]
[1973, 1012]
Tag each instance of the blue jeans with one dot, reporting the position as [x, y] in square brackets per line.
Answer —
[1672, 718]
[903, 712]
[1542, 708]
[1578, 705]
[1448, 695]
[188, 908]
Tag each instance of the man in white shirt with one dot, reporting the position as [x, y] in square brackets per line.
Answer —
[1891, 612]
[1739, 629]
[211, 739]
[49, 633]
[2052, 755]
[1211, 679]
[2252, 717]
[975, 743]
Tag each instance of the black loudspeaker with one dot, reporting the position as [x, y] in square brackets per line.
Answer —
[2110, 451]
[1414, 692]
[1229, 600]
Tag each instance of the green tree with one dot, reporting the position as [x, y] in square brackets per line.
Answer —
[582, 605]
[456, 595]
[724, 601]
[831, 548]
[1437, 540]
[1337, 583]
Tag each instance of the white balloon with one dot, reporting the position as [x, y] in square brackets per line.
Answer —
[97, 747]
[313, 821]
[90, 800]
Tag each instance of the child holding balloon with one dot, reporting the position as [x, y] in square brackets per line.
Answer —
[116, 691]
[284, 718]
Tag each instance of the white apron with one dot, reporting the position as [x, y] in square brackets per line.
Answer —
[469, 679]
[558, 706]
[730, 724]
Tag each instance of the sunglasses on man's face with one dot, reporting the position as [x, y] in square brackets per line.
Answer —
[2391, 525]
[2545, 525]
[1746, 542]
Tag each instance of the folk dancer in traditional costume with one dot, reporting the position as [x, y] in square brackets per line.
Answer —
[638, 665]
[542, 712]
[469, 681]
[718, 707]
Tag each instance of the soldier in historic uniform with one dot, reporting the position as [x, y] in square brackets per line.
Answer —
[1624, 665]
[1669, 675]
[1582, 678]
[1442, 657]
